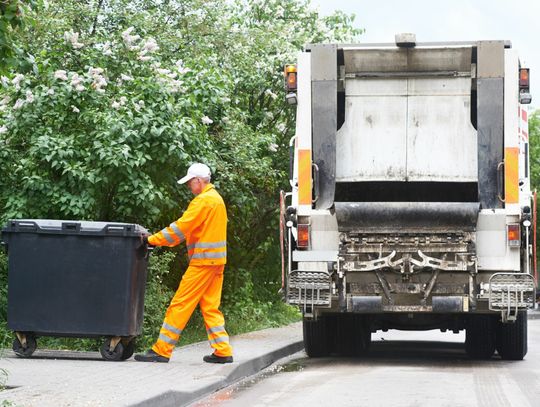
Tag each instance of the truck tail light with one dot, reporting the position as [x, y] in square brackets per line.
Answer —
[524, 78]
[513, 235]
[303, 236]
[290, 78]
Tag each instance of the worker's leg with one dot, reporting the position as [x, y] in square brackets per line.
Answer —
[213, 318]
[193, 285]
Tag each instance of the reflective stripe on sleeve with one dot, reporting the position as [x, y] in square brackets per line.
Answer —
[167, 236]
[177, 230]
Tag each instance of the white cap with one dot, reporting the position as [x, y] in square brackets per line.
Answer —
[196, 170]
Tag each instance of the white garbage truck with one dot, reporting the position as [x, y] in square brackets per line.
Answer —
[410, 204]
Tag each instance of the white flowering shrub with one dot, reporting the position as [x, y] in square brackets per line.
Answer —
[122, 96]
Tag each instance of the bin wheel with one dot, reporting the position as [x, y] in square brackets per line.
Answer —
[114, 355]
[25, 351]
[129, 349]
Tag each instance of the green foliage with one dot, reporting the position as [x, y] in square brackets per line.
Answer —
[123, 95]
[534, 151]
[13, 18]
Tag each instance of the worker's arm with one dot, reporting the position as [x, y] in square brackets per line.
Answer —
[178, 230]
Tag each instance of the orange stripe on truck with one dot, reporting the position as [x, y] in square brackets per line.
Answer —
[511, 177]
[304, 177]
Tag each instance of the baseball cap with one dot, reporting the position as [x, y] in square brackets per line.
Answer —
[194, 171]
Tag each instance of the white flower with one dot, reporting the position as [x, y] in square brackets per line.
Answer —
[5, 100]
[18, 104]
[74, 109]
[105, 48]
[29, 96]
[95, 71]
[271, 94]
[128, 38]
[73, 38]
[76, 79]
[123, 100]
[206, 120]
[273, 147]
[281, 127]
[17, 80]
[61, 74]
[150, 45]
[79, 88]
[163, 71]
[5, 81]
[141, 103]
[144, 58]
[99, 90]
[115, 105]
[3, 129]
[126, 77]
[225, 120]
[180, 67]
[50, 91]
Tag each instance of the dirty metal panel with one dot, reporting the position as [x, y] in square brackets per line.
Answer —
[324, 121]
[491, 245]
[362, 61]
[375, 119]
[375, 60]
[441, 141]
[490, 59]
[442, 59]
[490, 111]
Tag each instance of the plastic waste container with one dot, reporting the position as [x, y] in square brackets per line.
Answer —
[75, 279]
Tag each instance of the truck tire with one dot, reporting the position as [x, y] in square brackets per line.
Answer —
[480, 336]
[353, 335]
[316, 338]
[512, 338]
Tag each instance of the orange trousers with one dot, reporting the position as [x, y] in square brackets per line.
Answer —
[200, 285]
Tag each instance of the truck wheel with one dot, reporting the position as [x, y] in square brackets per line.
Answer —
[25, 351]
[512, 338]
[480, 336]
[353, 335]
[316, 339]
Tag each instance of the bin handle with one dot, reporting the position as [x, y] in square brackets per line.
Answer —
[75, 226]
[17, 224]
[117, 228]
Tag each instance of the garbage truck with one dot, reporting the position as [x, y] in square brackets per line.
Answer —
[410, 204]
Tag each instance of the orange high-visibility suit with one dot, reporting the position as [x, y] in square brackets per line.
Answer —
[204, 228]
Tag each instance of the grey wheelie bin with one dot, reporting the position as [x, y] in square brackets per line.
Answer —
[75, 279]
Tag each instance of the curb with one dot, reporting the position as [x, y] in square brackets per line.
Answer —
[533, 314]
[248, 368]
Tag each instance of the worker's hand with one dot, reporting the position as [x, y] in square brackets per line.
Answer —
[145, 242]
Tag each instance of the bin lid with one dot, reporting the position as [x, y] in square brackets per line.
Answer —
[69, 227]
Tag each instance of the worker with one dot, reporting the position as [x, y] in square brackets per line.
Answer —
[204, 228]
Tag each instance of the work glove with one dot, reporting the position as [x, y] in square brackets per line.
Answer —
[144, 242]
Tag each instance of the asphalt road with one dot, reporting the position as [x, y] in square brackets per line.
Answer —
[402, 369]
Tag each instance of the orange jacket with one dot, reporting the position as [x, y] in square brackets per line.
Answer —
[204, 228]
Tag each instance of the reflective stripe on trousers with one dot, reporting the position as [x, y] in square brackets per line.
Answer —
[200, 285]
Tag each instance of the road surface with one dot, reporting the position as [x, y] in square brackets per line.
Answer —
[403, 369]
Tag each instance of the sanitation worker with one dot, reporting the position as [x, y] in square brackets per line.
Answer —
[204, 228]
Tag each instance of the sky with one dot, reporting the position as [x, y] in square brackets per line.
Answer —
[451, 20]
